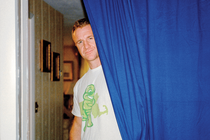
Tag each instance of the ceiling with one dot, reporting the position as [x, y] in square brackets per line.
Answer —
[72, 10]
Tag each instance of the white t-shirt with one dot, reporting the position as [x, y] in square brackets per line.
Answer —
[92, 102]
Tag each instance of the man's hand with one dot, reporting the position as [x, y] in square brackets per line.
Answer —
[75, 132]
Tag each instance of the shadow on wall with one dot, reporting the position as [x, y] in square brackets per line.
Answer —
[67, 115]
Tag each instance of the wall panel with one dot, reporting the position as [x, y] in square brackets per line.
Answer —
[38, 75]
[48, 94]
[46, 76]
[52, 85]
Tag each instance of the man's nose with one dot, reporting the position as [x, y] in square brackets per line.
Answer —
[86, 44]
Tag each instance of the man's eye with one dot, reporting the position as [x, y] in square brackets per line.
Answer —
[79, 42]
[90, 37]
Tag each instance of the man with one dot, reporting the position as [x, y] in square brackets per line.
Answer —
[94, 116]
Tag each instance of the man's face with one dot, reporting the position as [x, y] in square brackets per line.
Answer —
[85, 42]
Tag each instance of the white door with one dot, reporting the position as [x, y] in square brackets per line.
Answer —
[31, 30]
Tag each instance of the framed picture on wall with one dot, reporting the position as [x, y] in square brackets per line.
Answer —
[68, 71]
[45, 56]
[55, 67]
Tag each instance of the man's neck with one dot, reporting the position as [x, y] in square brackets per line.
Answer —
[94, 64]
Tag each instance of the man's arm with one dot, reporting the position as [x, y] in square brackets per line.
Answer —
[75, 133]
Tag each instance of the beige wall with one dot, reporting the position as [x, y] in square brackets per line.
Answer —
[67, 40]
[71, 54]
[48, 94]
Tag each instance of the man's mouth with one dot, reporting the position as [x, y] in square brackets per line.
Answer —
[88, 51]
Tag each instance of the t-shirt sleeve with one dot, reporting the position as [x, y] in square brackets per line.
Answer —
[76, 107]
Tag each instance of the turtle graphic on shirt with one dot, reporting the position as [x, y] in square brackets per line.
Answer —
[89, 106]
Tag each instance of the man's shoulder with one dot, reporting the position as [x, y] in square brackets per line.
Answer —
[81, 79]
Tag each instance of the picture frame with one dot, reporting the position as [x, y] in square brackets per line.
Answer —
[55, 67]
[45, 56]
[68, 68]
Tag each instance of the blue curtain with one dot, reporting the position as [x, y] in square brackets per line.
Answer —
[156, 59]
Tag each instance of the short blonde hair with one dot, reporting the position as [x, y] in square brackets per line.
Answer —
[80, 23]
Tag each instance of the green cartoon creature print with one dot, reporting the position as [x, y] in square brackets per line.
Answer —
[89, 106]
